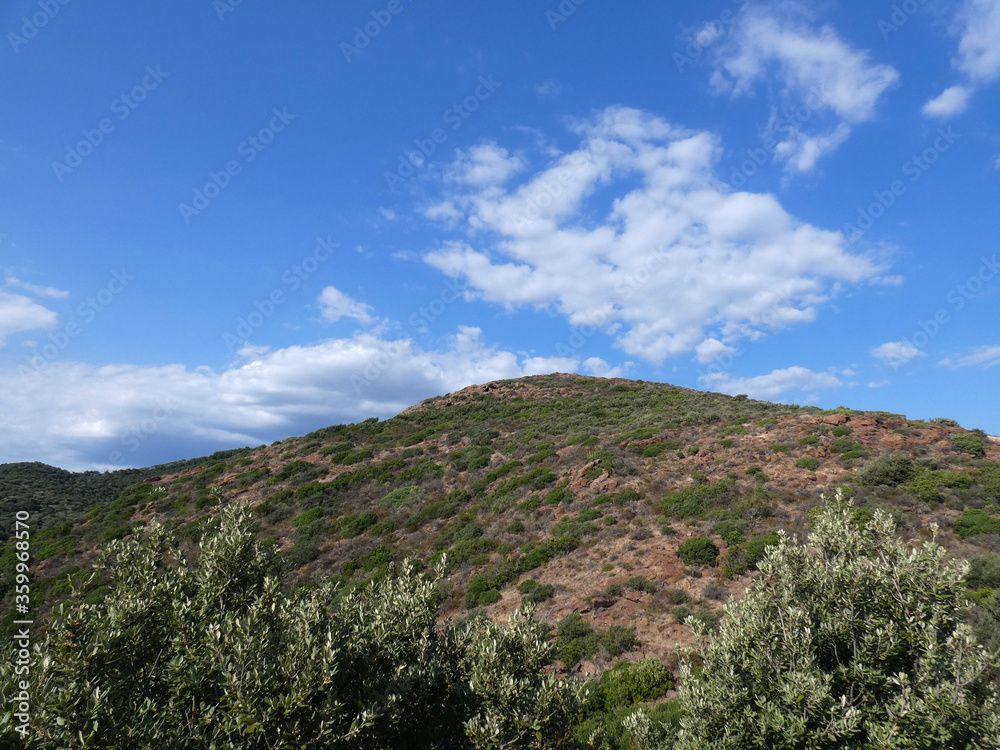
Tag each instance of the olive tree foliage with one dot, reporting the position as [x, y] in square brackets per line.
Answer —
[214, 654]
[852, 640]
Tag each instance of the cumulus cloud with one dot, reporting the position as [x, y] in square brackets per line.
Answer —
[896, 353]
[484, 165]
[711, 350]
[83, 417]
[19, 313]
[773, 384]
[334, 305]
[950, 102]
[670, 260]
[828, 86]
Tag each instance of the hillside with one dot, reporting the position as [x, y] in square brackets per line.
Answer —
[580, 494]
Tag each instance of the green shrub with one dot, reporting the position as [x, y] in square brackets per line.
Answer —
[538, 594]
[515, 527]
[809, 440]
[698, 550]
[631, 682]
[731, 530]
[690, 502]
[984, 571]
[727, 443]
[841, 430]
[354, 524]
[310, 516]
[641, 583]
[829, 605]
[778, 448]
[975, 522]
[891, 470]
[807, 462]
[218, 654]
[970, 442]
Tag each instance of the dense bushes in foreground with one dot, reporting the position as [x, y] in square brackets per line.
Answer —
[850, 641]
[214, 654]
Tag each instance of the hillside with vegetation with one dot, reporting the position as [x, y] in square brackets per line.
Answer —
[624, 514]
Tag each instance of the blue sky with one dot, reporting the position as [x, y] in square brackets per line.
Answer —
[224, 223]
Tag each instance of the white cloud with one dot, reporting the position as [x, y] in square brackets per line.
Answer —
[18, 313]
[38, 291]
[601, 369]
[819, 74]
[979, 45]
[977, 25]
[878, 384]
[669, 261]
[387, 213]
[773, 384]
[985, 356]
[80, 416]
[896, 353]
[952, 101]
[335, 305]
[548, 88]
[711, 350]
[484, 165]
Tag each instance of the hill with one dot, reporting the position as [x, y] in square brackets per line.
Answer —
[619, 507]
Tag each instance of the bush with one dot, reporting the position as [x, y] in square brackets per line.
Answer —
[975, 522]
[217, 654]
[891, 470]
[778, 448]
[832, 647]
[641, 583]
[539, 594]
[809, 440]
[807, 462]
[984, 571]
[698, 551]
[631, 682]
[970, 442]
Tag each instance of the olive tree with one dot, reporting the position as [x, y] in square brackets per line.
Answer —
[213, 653]
[852, 640]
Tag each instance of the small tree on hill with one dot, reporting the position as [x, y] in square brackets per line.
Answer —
[850, 641]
